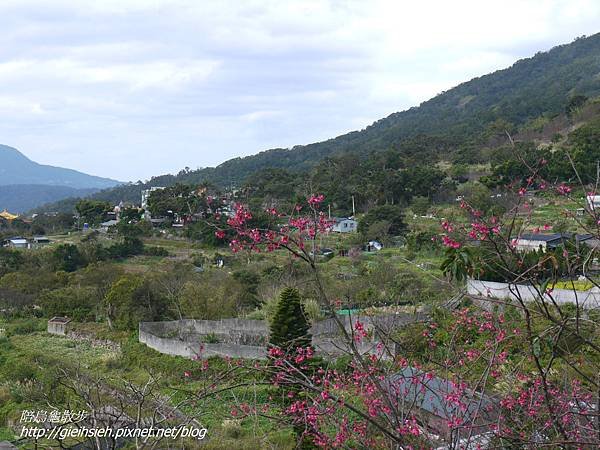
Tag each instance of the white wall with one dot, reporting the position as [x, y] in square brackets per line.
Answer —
[526, 245]
[586, 299]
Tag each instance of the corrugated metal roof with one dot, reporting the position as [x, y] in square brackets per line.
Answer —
[432, 394]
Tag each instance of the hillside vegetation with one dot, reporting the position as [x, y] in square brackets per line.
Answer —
[19, 198]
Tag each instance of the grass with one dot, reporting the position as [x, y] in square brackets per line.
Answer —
[6, 434]
[51, 350]
[37, 354]
[551, 209]
[577, 285]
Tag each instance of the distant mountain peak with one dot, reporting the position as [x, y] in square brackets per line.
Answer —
[17, 169]
[11, 152]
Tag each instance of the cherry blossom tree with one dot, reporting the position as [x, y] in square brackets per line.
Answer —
[493, 373]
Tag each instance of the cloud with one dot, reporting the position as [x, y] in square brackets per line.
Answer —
[130, 89]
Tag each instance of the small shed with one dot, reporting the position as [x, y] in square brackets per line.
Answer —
[373, 246]
[58, 325]
[18, 242]
[40, 241]
[104, 226]
[432, 400]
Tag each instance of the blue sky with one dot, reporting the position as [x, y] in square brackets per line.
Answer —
[131, 89]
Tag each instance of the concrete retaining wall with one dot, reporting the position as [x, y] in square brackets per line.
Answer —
[210, 326]
[230, 331]
[196, 349]
[585, 299]
[240, 338]
[383, 324]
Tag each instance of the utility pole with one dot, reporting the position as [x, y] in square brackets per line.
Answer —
[329, 211]
[353, 209]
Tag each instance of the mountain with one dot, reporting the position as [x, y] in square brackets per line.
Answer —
[19, 198]
[25, 184]
[540, 86]
[17, 169]
[458, 125]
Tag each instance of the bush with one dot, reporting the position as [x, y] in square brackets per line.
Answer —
[26, 327]
[312, 310]
[213, 295]
[19, 371]
[156, 251]
[130, 300]
[210, 338]
[130, 246]
[68, 258]
[199, 260]
[390, 215]
[78, 303]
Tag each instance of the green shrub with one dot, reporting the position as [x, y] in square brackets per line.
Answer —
[25, 327]
[210, 338]
[156, 251]
[19, 370]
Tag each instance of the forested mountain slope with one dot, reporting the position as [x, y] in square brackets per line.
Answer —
[20, 198]
[455, 125]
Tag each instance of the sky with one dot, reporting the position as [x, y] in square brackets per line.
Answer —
[128, 89]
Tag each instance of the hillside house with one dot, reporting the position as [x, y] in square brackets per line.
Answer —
[225, 209]
[116, 212]
[24, 243]
[429, 395]
[344, 225]
[532, 242]
[17, 242]
[39, 241]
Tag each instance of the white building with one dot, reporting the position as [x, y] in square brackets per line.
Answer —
[594, 202]
[344, 225]
[534, 242]
[18, 242]
[531, 242]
